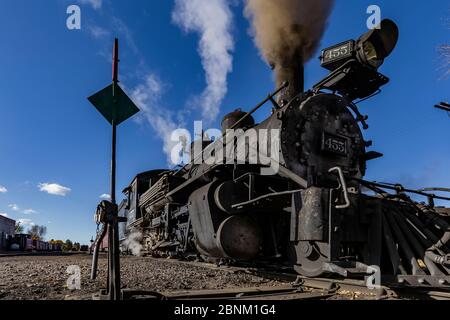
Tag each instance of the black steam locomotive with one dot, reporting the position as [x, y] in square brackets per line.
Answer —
[315, 213]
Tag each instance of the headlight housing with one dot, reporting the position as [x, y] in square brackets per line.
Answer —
[369, 56]
[370, 49]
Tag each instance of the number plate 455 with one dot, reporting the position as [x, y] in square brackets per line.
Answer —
[334, 144]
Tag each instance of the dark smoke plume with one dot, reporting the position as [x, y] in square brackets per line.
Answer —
[288, 32]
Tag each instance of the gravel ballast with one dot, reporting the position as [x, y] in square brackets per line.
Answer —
[45, 277]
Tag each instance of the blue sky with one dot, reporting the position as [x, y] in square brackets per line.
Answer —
[51, 138]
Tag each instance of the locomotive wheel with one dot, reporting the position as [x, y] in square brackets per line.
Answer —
[239, 237]
[309, 260]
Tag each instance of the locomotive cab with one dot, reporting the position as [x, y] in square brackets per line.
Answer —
[129, 207]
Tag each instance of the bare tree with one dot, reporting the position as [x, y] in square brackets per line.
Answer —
[37, 232]
[19, 228]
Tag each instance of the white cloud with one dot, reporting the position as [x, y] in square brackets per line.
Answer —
[4, 215]
[3, 189]
[26, 222]
[14, 207]
[105, 196]
[98, 32]
[29, 211]
[96, 4]
[212, 19]
[54, 189]
[126, 33]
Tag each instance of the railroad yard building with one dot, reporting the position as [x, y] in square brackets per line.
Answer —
[7, 230]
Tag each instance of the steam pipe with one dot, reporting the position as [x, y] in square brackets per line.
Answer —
[259, 105]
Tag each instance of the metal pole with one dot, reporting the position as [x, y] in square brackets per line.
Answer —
[113, 235]
[114, 277]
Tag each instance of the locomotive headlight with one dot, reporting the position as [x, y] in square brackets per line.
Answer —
[377, 44]
[370, 55]
[370, 49]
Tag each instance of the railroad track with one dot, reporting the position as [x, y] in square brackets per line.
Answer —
[296, 288]
[287, 293]
[309, 289]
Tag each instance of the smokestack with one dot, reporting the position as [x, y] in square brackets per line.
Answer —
[288, 33]
[292, 71]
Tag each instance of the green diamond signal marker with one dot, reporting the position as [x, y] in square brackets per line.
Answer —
[114, 106]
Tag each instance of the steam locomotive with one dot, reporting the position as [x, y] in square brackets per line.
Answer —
[315, 212]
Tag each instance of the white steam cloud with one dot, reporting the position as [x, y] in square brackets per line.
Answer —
[133, 243]
[147, 96]
[212, 19]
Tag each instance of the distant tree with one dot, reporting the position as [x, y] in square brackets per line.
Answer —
[76, 246]
[19, 228]
[57, 243]
[67, 246]
[37, 232]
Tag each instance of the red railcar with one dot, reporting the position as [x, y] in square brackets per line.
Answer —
[39, 245]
